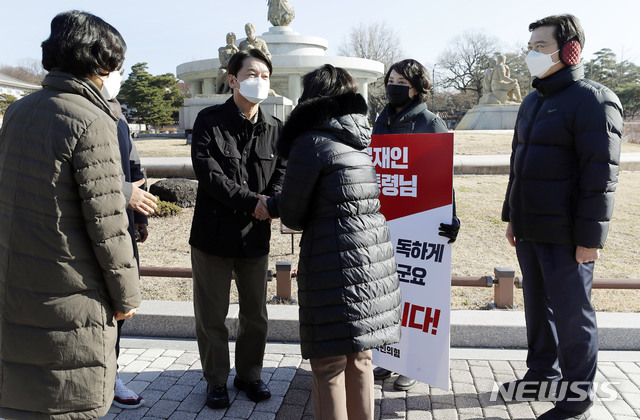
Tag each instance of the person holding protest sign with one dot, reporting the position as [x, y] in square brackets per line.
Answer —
[348, 286]
[407, 85]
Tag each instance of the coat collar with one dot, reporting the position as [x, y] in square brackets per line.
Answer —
[325, 113]
[408, 114]
[234, 112]
[558, 81]
[67, 82]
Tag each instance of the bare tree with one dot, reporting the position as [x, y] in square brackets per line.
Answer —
[374, 41]
[29, 71]
[464, 61]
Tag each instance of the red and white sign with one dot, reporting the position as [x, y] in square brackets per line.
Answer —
[415, 176]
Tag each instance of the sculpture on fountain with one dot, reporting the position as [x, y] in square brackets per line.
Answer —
[280, 12]
[252, 41]
[224, 55]
[292, 54]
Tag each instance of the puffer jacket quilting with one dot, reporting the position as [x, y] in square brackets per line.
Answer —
[565, 161]
[348, 288]
[416, 118]
[66, 259]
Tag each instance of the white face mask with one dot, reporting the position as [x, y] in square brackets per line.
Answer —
[111, 85]
[254, 89]
[539, 63]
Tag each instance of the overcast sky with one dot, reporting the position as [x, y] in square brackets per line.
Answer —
[167, 33]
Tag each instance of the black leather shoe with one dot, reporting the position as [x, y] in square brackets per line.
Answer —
[403, 383]
[217, 396]
[381, 373]
[256, 391]
[557, 413]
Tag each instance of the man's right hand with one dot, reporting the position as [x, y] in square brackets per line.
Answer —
[261, 212]
[142, 201]
[119, 316]
[509, 235]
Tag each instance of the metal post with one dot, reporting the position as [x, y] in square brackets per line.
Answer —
[433, 90]
[283, 280]
[503, 289]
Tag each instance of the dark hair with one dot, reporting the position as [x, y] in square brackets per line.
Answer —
[237, 60]
[82, 44]
[568, 28]
[415, 73]
[327, 81]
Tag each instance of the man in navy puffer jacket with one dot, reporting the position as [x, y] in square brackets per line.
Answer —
[564, 171]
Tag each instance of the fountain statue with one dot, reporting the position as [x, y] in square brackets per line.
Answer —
[280, 12]
[224, 55]
[292, 55]
[252, 41]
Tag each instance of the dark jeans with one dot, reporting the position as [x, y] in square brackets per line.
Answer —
[211, 285]
[562, 334]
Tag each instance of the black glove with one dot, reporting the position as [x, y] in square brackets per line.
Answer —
[450, 231]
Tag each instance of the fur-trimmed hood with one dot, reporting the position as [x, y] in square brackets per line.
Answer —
[343, 117]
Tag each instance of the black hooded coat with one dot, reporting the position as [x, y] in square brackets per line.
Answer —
[348, 288]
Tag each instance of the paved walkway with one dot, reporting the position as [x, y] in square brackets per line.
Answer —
[167, 373]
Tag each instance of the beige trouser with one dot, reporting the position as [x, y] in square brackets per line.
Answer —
[211, 286]
[343, 387]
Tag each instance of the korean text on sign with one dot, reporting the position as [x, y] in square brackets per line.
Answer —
[389, 157]
[420, 250]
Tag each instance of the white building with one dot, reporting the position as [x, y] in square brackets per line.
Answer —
[15, 87]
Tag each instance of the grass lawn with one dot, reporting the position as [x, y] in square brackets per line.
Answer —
[480, 247]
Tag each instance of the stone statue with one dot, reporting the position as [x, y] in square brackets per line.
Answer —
[497, 85]
[224, 54]
[280, 12]
[253, 41]
[486, 80]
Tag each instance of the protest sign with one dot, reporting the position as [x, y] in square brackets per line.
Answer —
[415, 177]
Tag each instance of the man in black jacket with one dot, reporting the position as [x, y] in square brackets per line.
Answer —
[564, 171]
[140, 204]
[234, 157]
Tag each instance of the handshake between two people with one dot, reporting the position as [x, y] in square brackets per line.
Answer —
[261, 211]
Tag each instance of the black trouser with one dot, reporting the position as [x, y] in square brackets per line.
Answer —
[120, 324]
[562, 334]
[211, 285]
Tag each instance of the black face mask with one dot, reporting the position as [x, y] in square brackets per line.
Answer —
[398, 95]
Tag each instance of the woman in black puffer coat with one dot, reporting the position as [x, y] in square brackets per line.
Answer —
[348, 288]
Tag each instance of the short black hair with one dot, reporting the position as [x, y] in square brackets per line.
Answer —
[415, 73]
[237, 60]
[568, 28]
[327, 81]
[82, 44]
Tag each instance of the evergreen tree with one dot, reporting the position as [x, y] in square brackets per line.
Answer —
[151, 99]
[629, 95]
[5, 101]
[602, 69]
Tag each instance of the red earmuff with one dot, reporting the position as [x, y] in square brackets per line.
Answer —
[570, 53]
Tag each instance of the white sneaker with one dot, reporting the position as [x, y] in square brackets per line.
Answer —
[126, 398]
